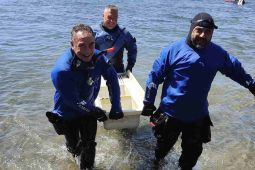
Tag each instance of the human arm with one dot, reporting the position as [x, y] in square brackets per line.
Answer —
[65, 85]
[67, 96]
[156, 77]
[233, 69]
[112, 83]
[131, 51]
[251, 87]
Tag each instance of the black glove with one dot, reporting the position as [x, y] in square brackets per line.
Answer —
[148, 109]
[99, 114]
[57, 122]
[129, 67]
[116, 115]
[53, 118]
[251, 87]
[158, 117]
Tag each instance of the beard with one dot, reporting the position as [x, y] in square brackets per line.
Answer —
[199, 43]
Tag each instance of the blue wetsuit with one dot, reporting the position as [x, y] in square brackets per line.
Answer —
[77, 90]
[187, 75]
[120, 39]
[77, 85]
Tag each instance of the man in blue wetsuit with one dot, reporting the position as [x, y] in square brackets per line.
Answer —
[76, 76]
[110, 34]
[187, 68]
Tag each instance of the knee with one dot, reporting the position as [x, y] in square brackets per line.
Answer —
[90, 144]
[193, 147]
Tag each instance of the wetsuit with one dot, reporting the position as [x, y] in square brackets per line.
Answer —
[77, 85]
[187, 75]
[120, 39]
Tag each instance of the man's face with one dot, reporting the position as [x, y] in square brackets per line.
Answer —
[83, 45]
[201, 36]
[110, 18]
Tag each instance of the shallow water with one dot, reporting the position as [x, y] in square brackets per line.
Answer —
[35, 32]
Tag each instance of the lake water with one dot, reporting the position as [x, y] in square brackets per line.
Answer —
[35, 32]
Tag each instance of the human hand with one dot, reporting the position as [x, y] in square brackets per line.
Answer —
[116, 115]
[252, 87]
[99, 114]
[158, 117]
[53, 118]
[129, 67]
[148, 109]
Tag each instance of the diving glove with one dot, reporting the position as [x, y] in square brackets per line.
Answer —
[129, 67]
[99, 114]
[251, 87]
[53, 118]
[158, 117]
[116, 115]
[148, 109]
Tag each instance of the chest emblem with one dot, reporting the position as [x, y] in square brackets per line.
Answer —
[78, 63]
[90, 81]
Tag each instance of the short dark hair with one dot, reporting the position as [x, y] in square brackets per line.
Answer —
[112, 7]
[81, 27]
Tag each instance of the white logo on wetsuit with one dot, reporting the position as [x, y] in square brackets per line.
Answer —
[90, 81]
[82, 105]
